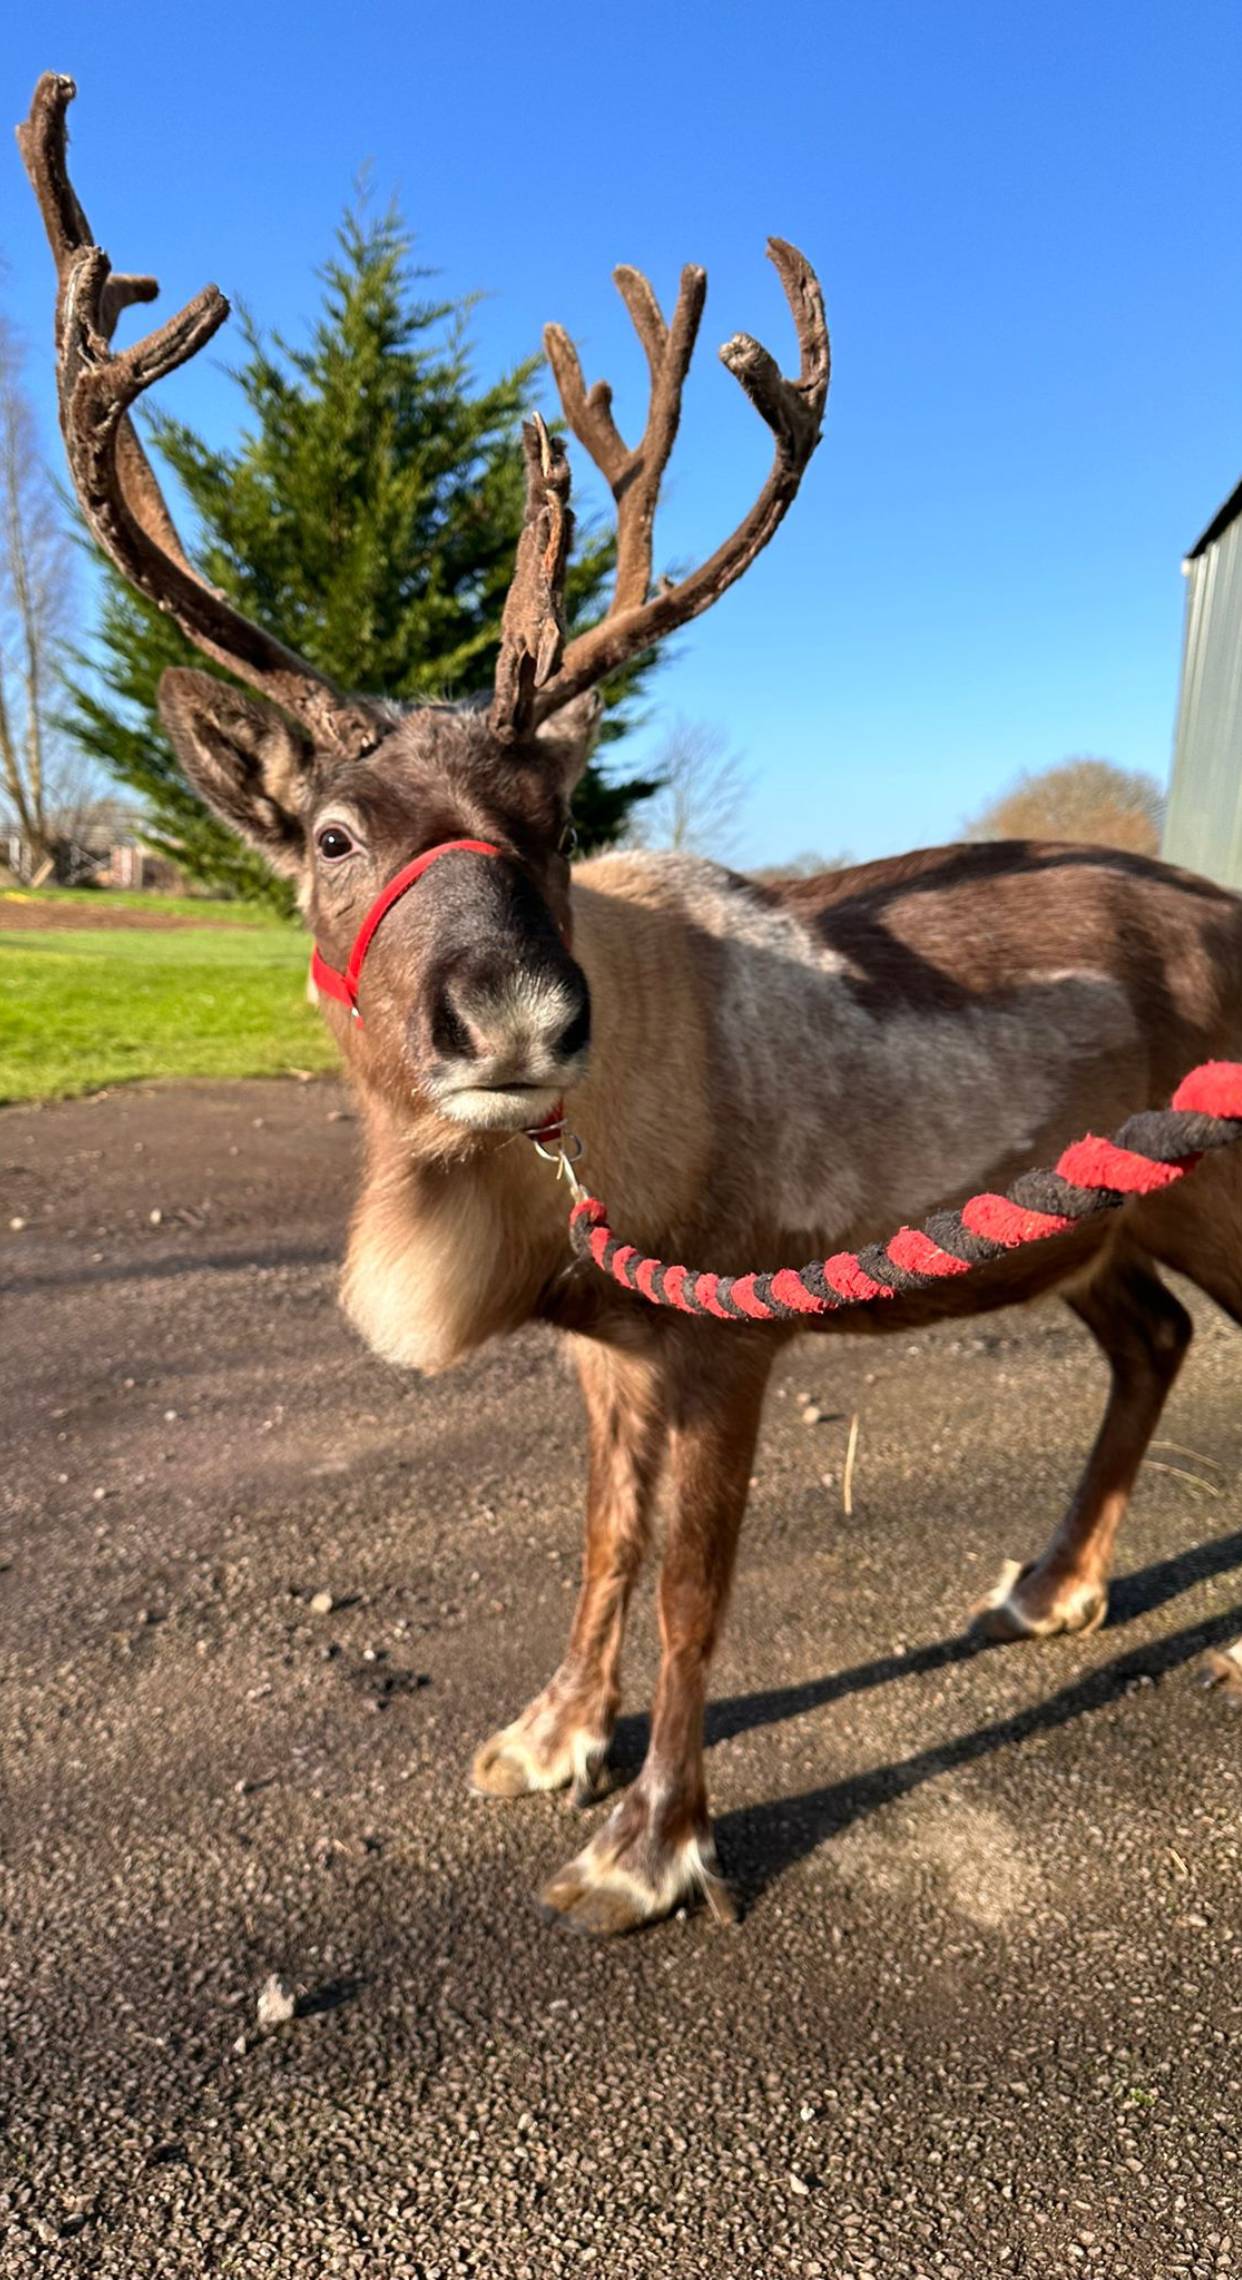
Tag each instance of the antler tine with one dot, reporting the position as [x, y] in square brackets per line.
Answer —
[117, 489]
[792, 409]
[646, 315]
[532, 630]
[634, 477]
[43, 142]
[587, 410]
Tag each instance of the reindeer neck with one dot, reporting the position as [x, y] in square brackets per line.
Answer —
[445, 1253]
[447, 1250]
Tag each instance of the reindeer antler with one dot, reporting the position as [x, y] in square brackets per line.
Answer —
[634, 476]
[532, 629]
[118, 492]
[793, 409]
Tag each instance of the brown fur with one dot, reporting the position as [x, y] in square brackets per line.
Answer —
[773, 1075]
[679, 1146]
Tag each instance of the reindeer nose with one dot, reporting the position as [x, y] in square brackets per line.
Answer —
[576, 1035]
[533, 1025]
[524, 1027]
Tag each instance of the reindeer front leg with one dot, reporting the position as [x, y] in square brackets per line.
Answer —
[655, 1849]
[562, 1737]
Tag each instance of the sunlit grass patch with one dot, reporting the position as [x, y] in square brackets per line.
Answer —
[87, 1008]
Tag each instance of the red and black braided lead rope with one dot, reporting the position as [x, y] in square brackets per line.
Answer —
[1151, 1151]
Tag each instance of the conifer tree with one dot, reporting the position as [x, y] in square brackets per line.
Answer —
[367, 514]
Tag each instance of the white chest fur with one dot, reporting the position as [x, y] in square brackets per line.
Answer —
[440, 1260]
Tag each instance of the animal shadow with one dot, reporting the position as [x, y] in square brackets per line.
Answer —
[759, 1842]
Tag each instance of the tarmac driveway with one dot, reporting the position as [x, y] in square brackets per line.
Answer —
[982, 2014]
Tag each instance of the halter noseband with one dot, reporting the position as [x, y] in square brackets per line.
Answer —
[342, 985]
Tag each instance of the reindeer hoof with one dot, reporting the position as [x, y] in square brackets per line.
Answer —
[612, 1886]
[503, 1768]
[1224, 1670]
[1030, 1603]
[592, 1784]
[531, 1755]
[601, 1910]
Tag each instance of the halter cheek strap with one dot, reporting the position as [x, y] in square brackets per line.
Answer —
[332, 981]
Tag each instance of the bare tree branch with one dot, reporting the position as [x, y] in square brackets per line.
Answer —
[35, 591]
[704, 788]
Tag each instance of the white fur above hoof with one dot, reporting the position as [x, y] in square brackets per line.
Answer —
[530, 1755]
[1023, 1604]
[605, 1891]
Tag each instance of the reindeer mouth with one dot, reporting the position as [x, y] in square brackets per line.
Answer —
[509, 1107]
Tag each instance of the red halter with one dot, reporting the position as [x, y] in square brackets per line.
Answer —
[343, 986]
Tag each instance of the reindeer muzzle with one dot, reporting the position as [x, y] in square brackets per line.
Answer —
[342, 983]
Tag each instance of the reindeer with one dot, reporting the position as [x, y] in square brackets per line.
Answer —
[758, 1075]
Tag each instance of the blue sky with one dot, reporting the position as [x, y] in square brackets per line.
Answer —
[1027, 223]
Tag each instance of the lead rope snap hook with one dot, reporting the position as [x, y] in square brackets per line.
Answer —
[564, 1151]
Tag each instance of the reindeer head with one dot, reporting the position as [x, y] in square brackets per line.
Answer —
[472, 1009]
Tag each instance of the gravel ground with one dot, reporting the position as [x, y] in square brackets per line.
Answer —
[982, 2013]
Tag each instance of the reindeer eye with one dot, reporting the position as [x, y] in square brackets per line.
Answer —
[334, 842]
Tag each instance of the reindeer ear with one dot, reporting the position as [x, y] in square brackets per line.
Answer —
[566, 739]
[245, 758]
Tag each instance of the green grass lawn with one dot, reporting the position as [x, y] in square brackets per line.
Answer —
[96, 1007]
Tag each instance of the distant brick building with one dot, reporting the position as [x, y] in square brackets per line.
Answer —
[102, 849]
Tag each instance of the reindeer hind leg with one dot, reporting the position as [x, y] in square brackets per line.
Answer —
[1143, 1332]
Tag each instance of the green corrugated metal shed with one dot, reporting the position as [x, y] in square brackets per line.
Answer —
[1204, 827]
